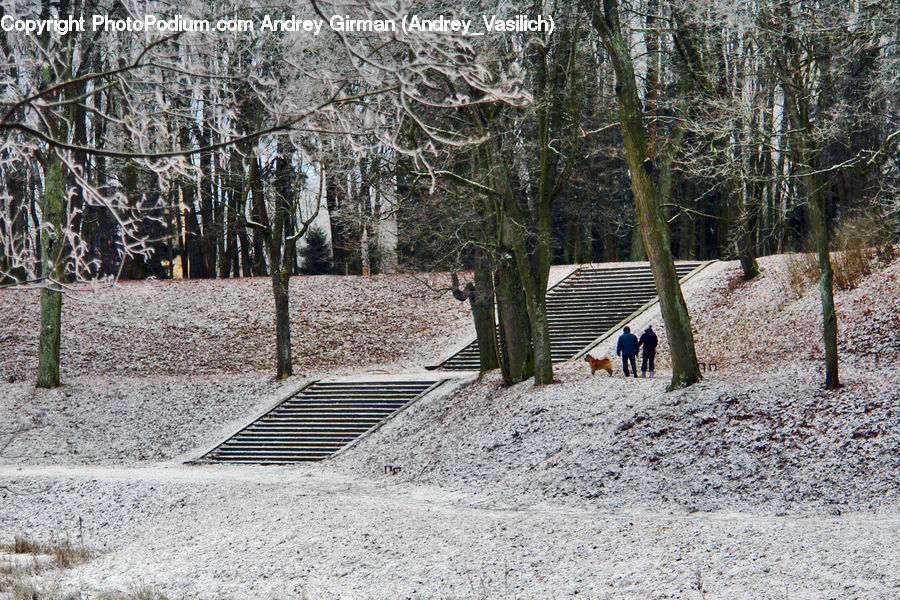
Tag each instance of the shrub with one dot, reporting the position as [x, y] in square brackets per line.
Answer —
[64, 553]
[24, 545]
[861, 245]
[850, 266]
[802, 271]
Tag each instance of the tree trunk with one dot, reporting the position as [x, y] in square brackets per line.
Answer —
[334, 201]
[281, 290]
[51, 267]
[637, 245]
[532, 276]
[654, 230]
[482, 302]
[748, 197]
[193, 239]
[516, 354]
[819, 227]
[134, 267]
[610, 247]
[747, 242]
[807, 155]
[281, 252]
[256, 189]
[480, 296]
[208, 218]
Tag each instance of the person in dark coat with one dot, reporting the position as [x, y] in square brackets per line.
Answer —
[628, 348]
[648, 341]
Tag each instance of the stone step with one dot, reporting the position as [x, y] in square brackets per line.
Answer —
[318, 420]
[583, 307]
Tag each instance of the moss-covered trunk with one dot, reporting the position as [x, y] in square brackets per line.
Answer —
[818, 216]
[654, 229]
[516, 355]
[51, 270]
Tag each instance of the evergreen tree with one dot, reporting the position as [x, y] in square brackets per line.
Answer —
[316, 255]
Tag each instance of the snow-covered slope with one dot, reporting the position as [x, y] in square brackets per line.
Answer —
[155, 369]
[594, 487]
[343, 324]
[758, 434]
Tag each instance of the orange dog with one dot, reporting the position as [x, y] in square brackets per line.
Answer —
[598, 364]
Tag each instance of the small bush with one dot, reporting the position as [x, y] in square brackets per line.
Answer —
[802, 271]
[137, 592]
[27, 590]
[865, 243]
[11, 571]
[23, 587]
[885, 254]
[24, 545]
[850, 266]
[64, 553]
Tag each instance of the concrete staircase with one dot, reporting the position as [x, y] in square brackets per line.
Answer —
[318, 420]
[324, 417]
[584, 307]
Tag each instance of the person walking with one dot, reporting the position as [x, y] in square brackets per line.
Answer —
[627, 347]
[648, 341]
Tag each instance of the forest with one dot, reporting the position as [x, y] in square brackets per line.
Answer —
[633, 130]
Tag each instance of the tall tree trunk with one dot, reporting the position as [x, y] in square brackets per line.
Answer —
[807, 158]
[610, 247]
[256, 186]
[52, 243]
[175, 202]
[747, 239]
[208, 219]
[193, 239]
[246, 260]
[654, 230]
[134, 266]
[819, 227]
[637, 253]
[335, 199]
[282, 258]
[480, 295]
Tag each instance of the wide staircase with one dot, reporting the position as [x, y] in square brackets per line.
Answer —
[324, 417]
[318, 420]
[583, 307]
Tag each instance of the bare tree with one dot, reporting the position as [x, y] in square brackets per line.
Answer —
[654, 229]
[164, 111]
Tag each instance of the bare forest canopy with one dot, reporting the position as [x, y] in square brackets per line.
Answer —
[174, 139]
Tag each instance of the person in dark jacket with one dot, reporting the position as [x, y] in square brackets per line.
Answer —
[648, 341]
[628, 348]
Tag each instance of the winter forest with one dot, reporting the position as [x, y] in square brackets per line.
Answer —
[478, 299]
[692, 129]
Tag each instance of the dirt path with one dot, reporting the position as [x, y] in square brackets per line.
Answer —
[253, 532]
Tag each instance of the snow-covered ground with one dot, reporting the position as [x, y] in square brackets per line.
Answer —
[755, 483]
[122, 419]
[254, 532]
[177, 327]
[771, 444]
